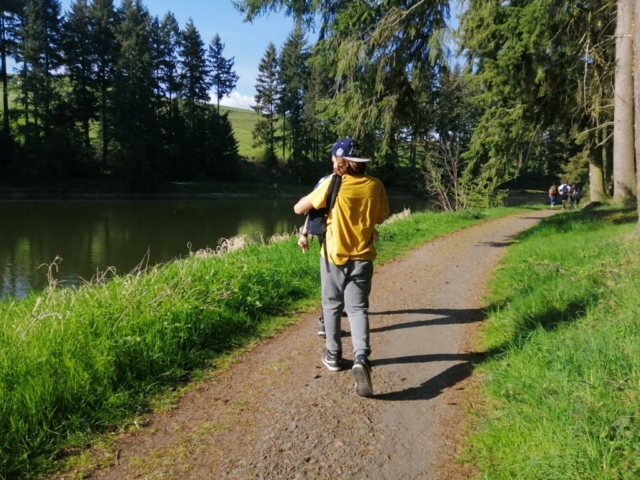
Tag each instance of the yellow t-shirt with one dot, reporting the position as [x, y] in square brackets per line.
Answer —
[360, 205]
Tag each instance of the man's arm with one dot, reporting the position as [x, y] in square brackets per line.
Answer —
[303, 206]
[316, 199]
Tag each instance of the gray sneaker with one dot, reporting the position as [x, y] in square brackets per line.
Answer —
[332, 360]
[362, 373]
[321, 331]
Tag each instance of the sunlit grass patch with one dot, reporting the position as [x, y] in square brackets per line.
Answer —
[563, 343]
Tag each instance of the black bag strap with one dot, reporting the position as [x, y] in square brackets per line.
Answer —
[332, 194]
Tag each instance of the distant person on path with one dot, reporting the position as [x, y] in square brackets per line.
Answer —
[553, 194]
[563, 189]
[576, 196]
[360, 205]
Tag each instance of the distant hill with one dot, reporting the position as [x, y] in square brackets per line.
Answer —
[243, 122]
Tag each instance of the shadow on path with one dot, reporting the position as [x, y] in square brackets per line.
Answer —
[430, 357]
[432, 387]
[497, 244]
[445, 317]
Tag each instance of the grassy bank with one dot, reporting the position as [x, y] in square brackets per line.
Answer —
[76, 361]
[562, 378]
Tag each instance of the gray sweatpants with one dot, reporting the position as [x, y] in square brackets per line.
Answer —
[347, 287]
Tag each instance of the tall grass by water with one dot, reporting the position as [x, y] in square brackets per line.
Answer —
[562, 377]
[73, 361]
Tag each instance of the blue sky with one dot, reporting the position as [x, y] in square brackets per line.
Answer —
[246, 42]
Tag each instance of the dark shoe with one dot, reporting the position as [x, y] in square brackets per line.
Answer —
[321, 331]
[362, 373]
[332, 360]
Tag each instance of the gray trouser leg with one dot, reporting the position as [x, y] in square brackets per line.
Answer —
[347, 287]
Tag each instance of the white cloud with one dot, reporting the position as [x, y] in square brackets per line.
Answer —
[235, 99]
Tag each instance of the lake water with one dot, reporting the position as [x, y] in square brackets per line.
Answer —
[92, 235]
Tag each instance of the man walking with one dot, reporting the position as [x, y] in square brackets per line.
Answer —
[346, 274]
[563, 189]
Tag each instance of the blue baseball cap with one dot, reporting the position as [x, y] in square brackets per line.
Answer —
[348, 149]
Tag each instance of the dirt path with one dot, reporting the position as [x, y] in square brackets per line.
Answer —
[279, 414]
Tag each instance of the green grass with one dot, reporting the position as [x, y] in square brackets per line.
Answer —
[562, 378]
[77, 361]
[12, 96]
[243, 122]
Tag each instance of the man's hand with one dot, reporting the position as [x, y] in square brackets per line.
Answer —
[303, 242]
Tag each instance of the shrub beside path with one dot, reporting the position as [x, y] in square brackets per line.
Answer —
[277, 413]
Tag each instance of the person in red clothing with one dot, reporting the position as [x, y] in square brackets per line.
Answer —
[361, 204]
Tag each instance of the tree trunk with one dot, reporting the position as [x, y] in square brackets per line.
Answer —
[5, 92]
[624, 184]
[596, 172]
[284, 135]
[607, 160]
[85, 111]
[636, 76]
[105, 126]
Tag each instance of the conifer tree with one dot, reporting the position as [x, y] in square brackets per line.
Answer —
[166, 61]
[169, 36]
[221, 146]
[223, 78]
[229, 146]
[534, 79]
[266, 98]
[195, 94]
[293, 77]
[41, 55]
[10, 11]
[369, 69]
[104, 21]
[78, 58]
[318, 128]
[135, 126]
[156, 56]
[10, 14]
[193, 69]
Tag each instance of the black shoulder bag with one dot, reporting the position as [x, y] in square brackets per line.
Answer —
[317, 219]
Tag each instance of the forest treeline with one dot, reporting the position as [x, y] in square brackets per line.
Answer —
[536, 91]
[106, 90]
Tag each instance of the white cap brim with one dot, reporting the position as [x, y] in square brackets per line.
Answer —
[356, 159]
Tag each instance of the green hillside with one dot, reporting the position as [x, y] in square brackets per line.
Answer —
[243, 122]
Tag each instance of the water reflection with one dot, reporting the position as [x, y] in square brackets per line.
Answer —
[90, 236]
